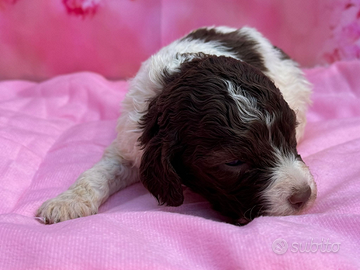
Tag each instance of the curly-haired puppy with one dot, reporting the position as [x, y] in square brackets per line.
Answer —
[220, 111]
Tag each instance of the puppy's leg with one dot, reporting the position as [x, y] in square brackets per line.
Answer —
[91, 189]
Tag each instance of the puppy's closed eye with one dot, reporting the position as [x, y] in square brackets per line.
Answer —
[236, 166]
[235, 163]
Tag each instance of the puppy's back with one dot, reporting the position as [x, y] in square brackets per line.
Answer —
[245, 44]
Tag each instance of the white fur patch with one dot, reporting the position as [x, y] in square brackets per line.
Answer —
[290, 174]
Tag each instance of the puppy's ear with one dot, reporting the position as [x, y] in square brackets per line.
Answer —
[158, 174]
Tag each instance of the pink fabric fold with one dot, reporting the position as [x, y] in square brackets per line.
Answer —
[52, 131]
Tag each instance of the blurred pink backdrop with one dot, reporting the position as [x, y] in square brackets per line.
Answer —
[40, 39]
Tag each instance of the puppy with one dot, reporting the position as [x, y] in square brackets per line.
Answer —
[220, 111]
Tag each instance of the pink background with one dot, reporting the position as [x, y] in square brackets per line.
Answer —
[40, 38]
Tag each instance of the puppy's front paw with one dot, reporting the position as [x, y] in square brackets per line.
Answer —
[67, 205]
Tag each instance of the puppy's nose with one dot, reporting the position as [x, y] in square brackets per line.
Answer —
[300, 197]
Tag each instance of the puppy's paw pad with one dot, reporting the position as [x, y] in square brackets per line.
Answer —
[65, 207]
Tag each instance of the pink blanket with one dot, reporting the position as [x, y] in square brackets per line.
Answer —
[52, 131]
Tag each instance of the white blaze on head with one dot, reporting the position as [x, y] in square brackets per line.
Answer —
[247, 106]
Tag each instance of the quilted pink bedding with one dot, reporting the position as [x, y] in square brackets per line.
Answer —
[52, 131]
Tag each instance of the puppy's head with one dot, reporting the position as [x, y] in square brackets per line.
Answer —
[222, 128]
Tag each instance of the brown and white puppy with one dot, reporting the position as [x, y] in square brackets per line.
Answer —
[220, 111]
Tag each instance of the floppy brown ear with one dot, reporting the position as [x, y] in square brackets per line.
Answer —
[158, 174]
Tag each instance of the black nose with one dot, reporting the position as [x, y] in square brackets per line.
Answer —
[300, 197]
